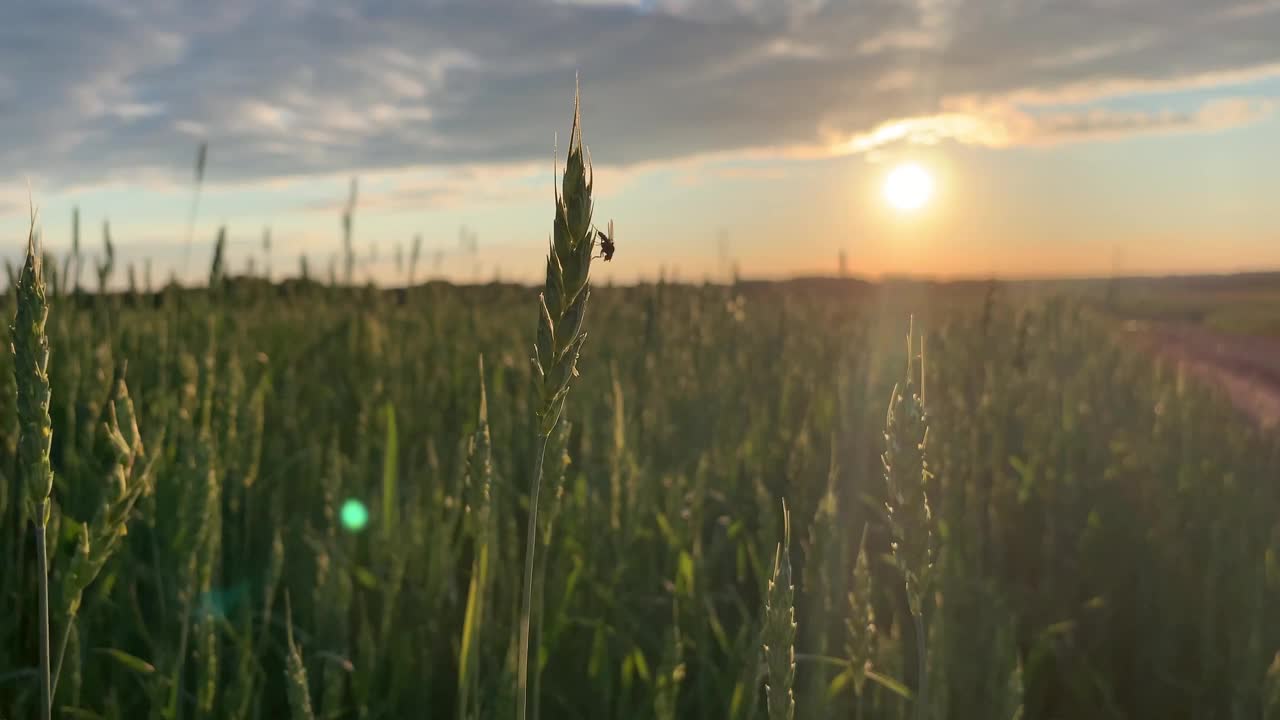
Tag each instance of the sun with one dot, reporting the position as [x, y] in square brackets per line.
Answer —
[908, 187]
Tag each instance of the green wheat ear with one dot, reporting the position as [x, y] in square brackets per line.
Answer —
[31, 371]
[861, 623]
[906, 473]
[910, 520]
[780, 631]
[117, 449]
[563, 303]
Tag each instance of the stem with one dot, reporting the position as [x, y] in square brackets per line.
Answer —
[62, 653]
[191, 223]
[138, 619]
[175, 696]
[526, 601]
[822, 659]
[922, 697]
[535, 619]
[42, 567]
[20, 541]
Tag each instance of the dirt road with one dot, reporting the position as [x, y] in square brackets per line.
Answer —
[1246, 368]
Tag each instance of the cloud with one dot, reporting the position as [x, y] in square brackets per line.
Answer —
[1004, 125]
[123, 91]
[1109, 124]
[427, 188]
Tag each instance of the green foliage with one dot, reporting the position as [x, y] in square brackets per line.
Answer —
[1102, 528]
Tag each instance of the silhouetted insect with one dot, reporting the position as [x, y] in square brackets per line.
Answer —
[606, 243]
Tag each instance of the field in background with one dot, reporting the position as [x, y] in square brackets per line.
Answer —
[1234, 304]
[1106, 526]
[1225, 329]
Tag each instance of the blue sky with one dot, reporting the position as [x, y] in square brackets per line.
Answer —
[1062, 136]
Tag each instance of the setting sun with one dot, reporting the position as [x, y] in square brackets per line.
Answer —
[908, 187]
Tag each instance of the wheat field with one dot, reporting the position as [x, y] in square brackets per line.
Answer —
[876, 501]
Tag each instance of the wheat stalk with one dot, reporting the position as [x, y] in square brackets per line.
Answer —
[75, 245]
[780, 631]
[414, 254]
[861, 623]
[563, 306]
[348, 220]
[31, 374]
[266, 254]
[671, 672]
[555, 480]
[295, 671]
[202, 154]
[910, 520]
[478, 496]
[108, 261]
[217, 267]
[118, 447]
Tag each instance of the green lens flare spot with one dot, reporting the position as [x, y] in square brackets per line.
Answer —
[354, 515]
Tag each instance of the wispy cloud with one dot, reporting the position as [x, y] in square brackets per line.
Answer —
[1001, 125]
[1100, 123]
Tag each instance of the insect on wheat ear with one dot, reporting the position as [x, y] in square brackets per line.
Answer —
[606, 243]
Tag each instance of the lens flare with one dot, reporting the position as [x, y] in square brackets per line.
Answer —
[353, 515]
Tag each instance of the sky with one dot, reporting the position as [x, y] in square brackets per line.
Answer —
[1080, 137]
